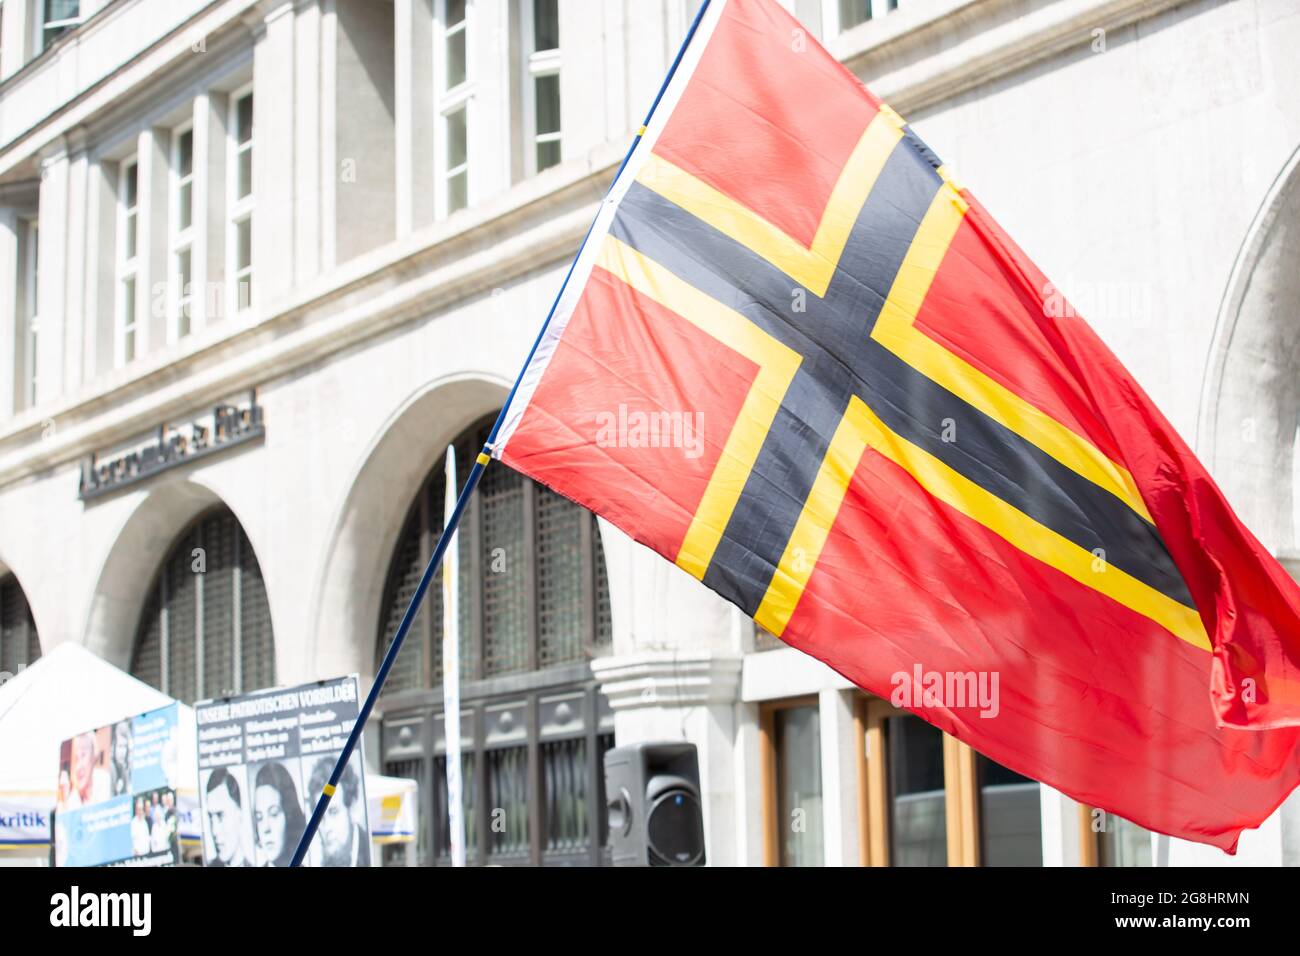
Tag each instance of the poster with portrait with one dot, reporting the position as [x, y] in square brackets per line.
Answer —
[116, 802]
[264, 759]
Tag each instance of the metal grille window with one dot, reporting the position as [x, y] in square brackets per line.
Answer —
[206, 626]
[532, 773]
[468, 805]
[533, 590]
[505, 593]
[19, 644]
[507, 793]
[564, 784]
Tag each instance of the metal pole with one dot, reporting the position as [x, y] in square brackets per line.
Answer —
[451, 671]
[485, 456]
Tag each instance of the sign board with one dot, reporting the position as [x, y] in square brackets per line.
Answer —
[116, 794]
[264, 759]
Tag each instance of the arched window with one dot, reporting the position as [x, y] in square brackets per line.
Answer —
[206, 626]
[19, 645]
[533, 591]
[534, 609]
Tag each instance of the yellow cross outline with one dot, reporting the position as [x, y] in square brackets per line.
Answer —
[776, 363]
[860, 429]
[813, 268]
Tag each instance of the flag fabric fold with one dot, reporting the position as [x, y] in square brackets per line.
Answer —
[802, 363]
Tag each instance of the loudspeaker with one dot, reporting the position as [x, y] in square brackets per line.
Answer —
[652, 796]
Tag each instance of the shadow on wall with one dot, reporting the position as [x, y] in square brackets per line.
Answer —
[366, 528]
[132, 562]
[1251, 401]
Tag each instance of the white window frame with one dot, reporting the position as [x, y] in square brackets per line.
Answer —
[450, 100]
[831, 25]
[181, 240]
[43, 27]
[239, 210]
[31, 309]
[537, 64]
[128, 267]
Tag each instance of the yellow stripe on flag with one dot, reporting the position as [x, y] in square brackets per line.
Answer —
[776, 363]
[811, 267]
[896, 330]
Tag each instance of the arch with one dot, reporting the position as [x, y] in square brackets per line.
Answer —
[205, 629]
[19, 633]
[369, 521]
[131, 563]
[534, 591]
[1250, 405]
[139, 548]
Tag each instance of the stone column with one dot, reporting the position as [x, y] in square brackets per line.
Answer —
[153, 183]
[413, 66]
[674, 674]
[841, 830]
[16, 37]
[53, 264]
[309, 60]
[274, 151]
[11, 229]
[78, 238]
[208, 258]
[364, 172]
[100, 267]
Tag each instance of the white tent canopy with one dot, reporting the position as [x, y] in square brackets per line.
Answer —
[70, 691]
[64, 693]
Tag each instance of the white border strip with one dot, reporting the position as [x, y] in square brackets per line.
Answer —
[609, 207]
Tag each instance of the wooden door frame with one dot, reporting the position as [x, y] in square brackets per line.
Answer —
[961, 791]
[767, 711]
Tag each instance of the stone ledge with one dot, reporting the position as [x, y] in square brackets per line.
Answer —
[925, 54]
[668, 679]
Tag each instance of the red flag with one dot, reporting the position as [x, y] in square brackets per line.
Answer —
[799, 361]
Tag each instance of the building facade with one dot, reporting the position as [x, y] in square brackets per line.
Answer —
[261, 261]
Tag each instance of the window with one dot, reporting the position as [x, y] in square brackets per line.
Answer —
[549, 769]
[917, 808]
[57, 18]
[1011, 832]
[239, 249]
[841, 15]
[930, 800]
[182, 233]
[29, 315]
[456, 136]
[19, 643]
[128, 236]
[1110, 840]
[542, 83]
[454, 95]
[791, 743]
[534, 608]
[539, 599]
[206, 626]
[455, 48]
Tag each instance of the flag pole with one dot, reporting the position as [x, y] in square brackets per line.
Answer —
[471, 482]
[451, 670]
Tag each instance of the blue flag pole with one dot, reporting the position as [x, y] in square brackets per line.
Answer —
[471, 482]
